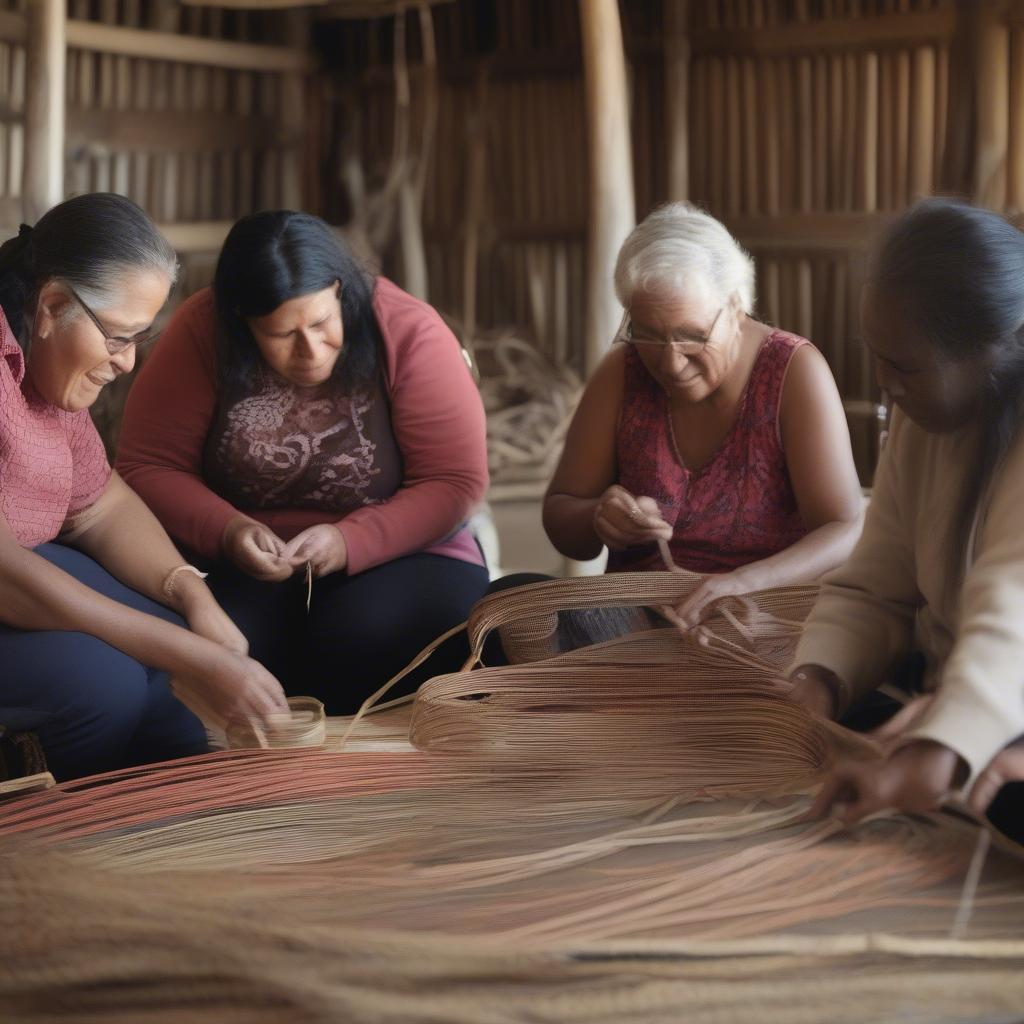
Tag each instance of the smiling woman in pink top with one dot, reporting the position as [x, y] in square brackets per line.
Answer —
[93, 594]
[302, 412]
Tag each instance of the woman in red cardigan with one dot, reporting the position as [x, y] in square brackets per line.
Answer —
[302, 413]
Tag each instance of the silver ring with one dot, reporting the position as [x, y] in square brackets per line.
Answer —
[636, 514]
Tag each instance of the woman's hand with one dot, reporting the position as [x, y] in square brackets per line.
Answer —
[322, 546]
[256, 550]
[622, 521]
[915, 778]
[696, 607]
[1006, 766]
[230, 688]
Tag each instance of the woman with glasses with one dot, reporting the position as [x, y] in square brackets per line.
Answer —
[94, 597]
[705, 430]
[314, 435]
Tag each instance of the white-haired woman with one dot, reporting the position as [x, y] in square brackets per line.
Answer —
[705, 428]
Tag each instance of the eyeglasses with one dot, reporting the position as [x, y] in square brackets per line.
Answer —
[681, 342]
[115, 344]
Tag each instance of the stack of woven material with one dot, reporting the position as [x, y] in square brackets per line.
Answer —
[614, 833]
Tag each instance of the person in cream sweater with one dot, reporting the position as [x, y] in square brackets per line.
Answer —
[939, 568]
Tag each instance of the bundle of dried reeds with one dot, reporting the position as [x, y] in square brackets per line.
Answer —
[600, 836]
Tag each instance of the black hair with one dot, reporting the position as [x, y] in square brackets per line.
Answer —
[277, 255]
[957, 271]
[87, 241]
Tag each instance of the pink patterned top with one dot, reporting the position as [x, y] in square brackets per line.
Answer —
[52, 462]
[397, 467]
[739, 507]
[271, 446]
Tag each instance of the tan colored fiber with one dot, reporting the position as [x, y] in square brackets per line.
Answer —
[617, 832]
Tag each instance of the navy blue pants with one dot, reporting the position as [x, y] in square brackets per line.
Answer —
[93, 708]
[360, 630]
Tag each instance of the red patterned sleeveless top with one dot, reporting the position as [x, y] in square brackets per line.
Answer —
[736, 509]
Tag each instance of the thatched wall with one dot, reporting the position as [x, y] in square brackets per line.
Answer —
[198, 114]
[801, 123]
[805, 124]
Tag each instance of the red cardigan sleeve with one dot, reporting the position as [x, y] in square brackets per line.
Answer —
[166, 420]
[438, 421]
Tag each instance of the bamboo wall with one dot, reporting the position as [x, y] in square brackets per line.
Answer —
[187, 110]
[12, 114]
[198, 114]
[803, 125]
[808, 122]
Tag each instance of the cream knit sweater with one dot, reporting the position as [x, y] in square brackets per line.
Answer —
[891, 597]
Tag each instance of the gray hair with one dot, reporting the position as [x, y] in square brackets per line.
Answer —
[89, 242]
[675, 242]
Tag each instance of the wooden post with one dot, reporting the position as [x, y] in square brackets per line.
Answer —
[677, 98]
[922, 140]
[612, 210]
[1015, 175]
[43, 173]
[867, 193]
[292, 113]
[476, 180]
[992, 111]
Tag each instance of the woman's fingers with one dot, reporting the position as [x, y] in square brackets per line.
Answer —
[619, 531]
[264, 542]
[850, 793]
[827, 795]
[1006, 766]
[262, 693]
[261, 563]
[902, 720]
[984, 790]
[690, 612]
[623, 520]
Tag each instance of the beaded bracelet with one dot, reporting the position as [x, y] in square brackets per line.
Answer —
[170, 580]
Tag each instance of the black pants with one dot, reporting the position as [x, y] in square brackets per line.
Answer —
[360, 630]
[93, 707]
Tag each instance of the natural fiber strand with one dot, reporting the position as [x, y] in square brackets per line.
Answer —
[615, 832]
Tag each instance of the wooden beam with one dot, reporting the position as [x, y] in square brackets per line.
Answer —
[13, 27]
[134, 42]
[43, 170]
[173, 131]
[1015, 164]
[292, 111]
[956, 168]
[677, 98]
[611, 201]
[359, 9]
[828, 34]
[808, 232]
[992, 109]
[206, 236]
[255, 5]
